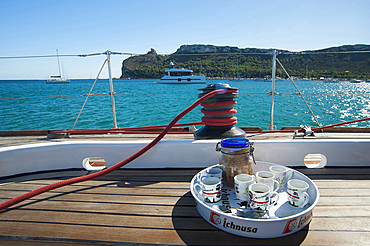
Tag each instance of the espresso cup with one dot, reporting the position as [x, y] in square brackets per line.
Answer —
[214, 172]
[241, 185]
[261, 197]
[282, 174]
[267, 178]
[210, 189]
[297, 193]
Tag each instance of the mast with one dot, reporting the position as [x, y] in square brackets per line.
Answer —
[332, 76]
[237, 69]
[306, 71]
[60, 74]
[111, 90]
[260, 70]
[273, 91]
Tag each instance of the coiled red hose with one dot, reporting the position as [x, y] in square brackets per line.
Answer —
[59, 184]
[219, 121]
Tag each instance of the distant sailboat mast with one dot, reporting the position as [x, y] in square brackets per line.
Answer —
[60, 74]
[57, 79]
[306, 71]
[332, 76]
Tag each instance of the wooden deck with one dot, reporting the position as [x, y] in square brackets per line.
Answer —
[155, 207]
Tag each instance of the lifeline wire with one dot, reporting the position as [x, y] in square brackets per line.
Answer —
[139, 93]
[190, 54]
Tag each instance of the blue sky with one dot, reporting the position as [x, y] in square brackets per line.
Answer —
[39, 27]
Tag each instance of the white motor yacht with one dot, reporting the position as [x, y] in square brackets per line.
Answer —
[175, 75]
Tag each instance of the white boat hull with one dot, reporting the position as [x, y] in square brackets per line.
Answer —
[175, 154]
[182, 80]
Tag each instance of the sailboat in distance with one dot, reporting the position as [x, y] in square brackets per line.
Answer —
[332, 79]
[57, 79]
[307, 78]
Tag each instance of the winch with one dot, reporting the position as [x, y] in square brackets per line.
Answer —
[219, 120]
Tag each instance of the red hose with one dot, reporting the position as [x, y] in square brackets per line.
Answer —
[339, 124]
[218, 104]
[315, 128]
[59, 184]
[218, 112]
[219, 121]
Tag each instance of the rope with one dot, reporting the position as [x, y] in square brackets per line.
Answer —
[159, 93]
[82, 95]
[339, 124]
[34, 56]
[319, 94]
[218, 112]
[219, 121]
[78, 116]
[76, 55]
[216, 104]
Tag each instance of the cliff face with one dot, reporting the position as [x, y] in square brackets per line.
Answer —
[222, 61]
[204, 48]
[345, 48]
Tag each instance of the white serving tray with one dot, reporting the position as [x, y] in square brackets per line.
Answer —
[230, 215]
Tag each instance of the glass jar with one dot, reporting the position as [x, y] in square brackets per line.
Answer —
[236, 158]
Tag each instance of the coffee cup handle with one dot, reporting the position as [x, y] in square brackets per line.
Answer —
[273, 195]
[254, 179]
[306, 198]
[276, 185]
[200, 177]
[290, 174]
[200, 193]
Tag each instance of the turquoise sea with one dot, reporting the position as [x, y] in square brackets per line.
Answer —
[34, 105]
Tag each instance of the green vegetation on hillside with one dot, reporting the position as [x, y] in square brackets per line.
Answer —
[346, 65]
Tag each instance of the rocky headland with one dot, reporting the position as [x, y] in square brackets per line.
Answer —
[229, 61]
